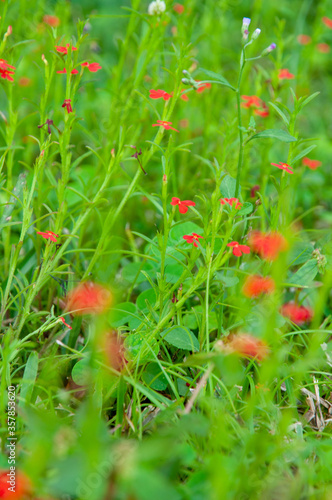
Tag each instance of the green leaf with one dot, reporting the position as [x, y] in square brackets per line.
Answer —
[246, 209]
[132, 272]
[305, 274]
[29, 378]
[180, 337]
[150, 296]
[122, 314]
[154, 377]
[173, 273]
[80, 372]
[135, 342]
[220, 79]
[273, 133]
[280, 113]
[227, 187]
[308, 99]
[305, 152]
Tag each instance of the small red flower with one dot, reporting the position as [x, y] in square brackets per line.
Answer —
[5, 72]
[24, 81]
[64, 322]
[233, 202]
[93, 67]
[253, 190]
[312, 164]
[238, 249]
[324, 48]
[297, 314]
[256, 285]
[88, 298]
[327, 21]
[51, 21]
[64, 50]
[166, 125]
[183, 205]
[202, 86]
[304, 39]
[251, 101]
[49, 235]
[284, 74]
[248, 346]
[192, 238]
[67, 104]
[263, 112]
[184, 97]
[283, 166]
[73, 71]
[159, 94]
[178, 8]
[267, 245]
[22, 488]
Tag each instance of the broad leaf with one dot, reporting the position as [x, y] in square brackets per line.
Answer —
[273, 133]
[182, 338]
[218, 78]
[154, 377]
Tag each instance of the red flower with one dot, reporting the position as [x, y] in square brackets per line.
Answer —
[73, 71]
[88, 298]
[192, 238]
[283, 166]
[304, 39]
[166, 125]
[267, 245]
[238, 249]
[183, 205]
[256, 285]
[284, 74]
[5, 72]
[64, 322]
[264, 111]
[327, 21]
[179, 9]
[253, 190]
[312, 164]
[159, 94]
[24, 81]
[49, 235]
[297, 314]
[202, 86]
[232, 202]
[93, 67]
[251, 101]
[324, 48]
[22, 485]
[248, 346]
[64, 50]
[183, 96]
[51, 21]
[67, 104]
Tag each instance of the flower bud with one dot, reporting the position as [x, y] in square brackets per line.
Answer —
[268, 49]
[44, 60]
[185, 81]
[256, 34]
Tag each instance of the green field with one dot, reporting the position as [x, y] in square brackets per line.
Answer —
[166, 250]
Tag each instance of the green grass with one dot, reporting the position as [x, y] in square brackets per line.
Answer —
[152, 397]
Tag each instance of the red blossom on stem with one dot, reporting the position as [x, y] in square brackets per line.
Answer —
[297, 314]
[88, 298]
[251, 101]
[178, 8]
[267, 245]
[192, 238]
[238, 249]
[22, 486]
[202, 86]
[304, 39]
[64, 50]
[159, 94]
[284, 74]
[248, 346]
[253, 190]
[73, 71]
[5, 72]
[49, 235]
[51, 21]
[93, 67]
[165, 125]
[312, 164]
[233, 202]
[324, 48]
[263, 112]
[67, 104]
[256, 285]
[183, 205]
[283, 166]
[64, 322]
[327, 21]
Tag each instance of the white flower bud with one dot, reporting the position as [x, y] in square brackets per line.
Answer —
[156, 8]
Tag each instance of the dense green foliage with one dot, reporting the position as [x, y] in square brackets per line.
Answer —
[187, 383]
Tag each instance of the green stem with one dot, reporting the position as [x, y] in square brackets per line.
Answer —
[239, 120]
